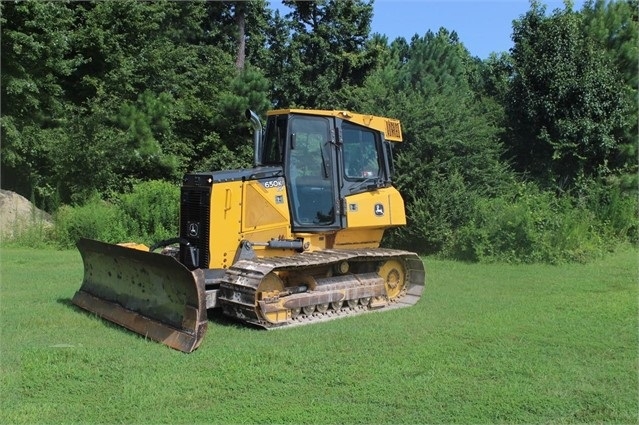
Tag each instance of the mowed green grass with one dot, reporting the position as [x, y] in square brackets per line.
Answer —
[486, 344]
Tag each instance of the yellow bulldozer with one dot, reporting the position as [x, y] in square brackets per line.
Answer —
[294, 240]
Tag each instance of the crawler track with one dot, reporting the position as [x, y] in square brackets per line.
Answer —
[329, 296]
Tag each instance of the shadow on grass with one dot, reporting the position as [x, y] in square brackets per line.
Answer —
[217, 316]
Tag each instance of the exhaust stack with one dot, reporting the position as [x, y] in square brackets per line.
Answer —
[257, 135]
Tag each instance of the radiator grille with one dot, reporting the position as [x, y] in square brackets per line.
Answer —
[195, 217]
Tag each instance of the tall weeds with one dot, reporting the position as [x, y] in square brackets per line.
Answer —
[530, 225]
[148, 214]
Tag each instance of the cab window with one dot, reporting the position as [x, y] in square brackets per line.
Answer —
[361, 158]
[275, 140]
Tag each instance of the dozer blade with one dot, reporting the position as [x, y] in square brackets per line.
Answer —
[148, 293]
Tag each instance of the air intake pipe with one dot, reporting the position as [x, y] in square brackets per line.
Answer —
[257, 135]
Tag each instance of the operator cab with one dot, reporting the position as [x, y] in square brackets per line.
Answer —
[326, 156]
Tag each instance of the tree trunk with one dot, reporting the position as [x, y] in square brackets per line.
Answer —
[240, 19]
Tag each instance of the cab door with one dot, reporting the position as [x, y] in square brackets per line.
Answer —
[370, 203]
[312, 182]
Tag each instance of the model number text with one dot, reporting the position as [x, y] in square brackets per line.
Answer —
[273, 183]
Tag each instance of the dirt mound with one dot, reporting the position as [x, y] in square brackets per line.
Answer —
[18, 213]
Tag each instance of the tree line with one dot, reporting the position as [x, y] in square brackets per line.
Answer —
[529, 155]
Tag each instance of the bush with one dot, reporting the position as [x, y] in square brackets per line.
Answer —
[148, 214]
[33, 234]
[432, 219]
[616, 211]
[96, 219]
[151, 212]
[525, 227]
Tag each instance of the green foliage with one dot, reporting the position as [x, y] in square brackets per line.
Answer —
[152, 125]
[151, 212]
[615, 210]
[434, 218]
[99, 96]
[222, 23]
[614, 28]
[224, 157]
[567, 106]
[528, 226]
[325, 44]
[233, 148]
[131, 86]
[37, 54]
[248, 90]
[451, 154]
[35, 235]
[96, 219]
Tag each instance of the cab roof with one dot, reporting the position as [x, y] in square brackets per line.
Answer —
[391, 127]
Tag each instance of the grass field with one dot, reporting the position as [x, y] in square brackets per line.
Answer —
[486, 344]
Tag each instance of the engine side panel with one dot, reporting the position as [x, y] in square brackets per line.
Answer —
[226, 218]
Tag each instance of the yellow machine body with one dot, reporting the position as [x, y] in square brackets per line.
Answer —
[293, 240]
[263, 220]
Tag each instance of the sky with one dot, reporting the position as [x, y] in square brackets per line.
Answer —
[483, 26]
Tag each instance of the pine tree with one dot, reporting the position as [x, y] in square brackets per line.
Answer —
[568, 105]
[325, 52]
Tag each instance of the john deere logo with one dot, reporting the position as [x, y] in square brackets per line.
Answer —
[194, 230]
[379, 209]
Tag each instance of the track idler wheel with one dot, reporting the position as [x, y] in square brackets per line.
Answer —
[394, 274]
